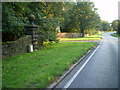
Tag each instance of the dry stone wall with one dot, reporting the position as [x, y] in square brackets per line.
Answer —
[16, 47]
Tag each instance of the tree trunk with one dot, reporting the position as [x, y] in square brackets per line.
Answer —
[82, 31]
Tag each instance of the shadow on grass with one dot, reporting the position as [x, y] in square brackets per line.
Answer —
[115, 35]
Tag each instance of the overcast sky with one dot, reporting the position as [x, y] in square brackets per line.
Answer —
[107, 9]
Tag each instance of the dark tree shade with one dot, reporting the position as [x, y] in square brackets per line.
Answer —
[71, 17]
[118, 31]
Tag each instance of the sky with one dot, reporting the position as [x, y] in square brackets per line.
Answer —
[107, 9]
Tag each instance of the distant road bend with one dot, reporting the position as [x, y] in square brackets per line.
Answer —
[102, 69]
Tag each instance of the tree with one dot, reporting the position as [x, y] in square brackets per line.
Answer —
[105, 26]
[115, 25]
[118, 31]
[70, 16]
[15, 18]
[81, 17]
[88, 18]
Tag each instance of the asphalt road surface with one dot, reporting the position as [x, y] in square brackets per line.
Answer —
[102, 69]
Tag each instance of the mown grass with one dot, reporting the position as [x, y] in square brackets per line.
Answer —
[88, 38]
[115, 35]
[40, 68]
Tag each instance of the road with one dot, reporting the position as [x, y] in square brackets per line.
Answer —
[102, 69]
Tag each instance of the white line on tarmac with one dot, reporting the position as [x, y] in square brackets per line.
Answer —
[76, 74]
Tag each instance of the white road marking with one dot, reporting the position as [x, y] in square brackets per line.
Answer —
[76, 74]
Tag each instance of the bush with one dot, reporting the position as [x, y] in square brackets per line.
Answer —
[118, 31]
[16, 17]
[91, 32]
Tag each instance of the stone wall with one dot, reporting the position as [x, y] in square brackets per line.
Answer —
[20, 46]
[16, 47]
[70, 35]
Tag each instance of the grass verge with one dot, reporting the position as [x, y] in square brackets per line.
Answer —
[88, 38]
[39, 69]
[115, 35]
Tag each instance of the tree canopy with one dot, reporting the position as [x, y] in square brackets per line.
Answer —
[70, 16]
[115, 25]
[105, 26]
[81, 17]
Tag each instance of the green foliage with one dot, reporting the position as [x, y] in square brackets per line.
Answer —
[118, 31]
[82, 16]
[13, 20]
[115, 25]
[70, 16]
[116, 35]
[105, 26]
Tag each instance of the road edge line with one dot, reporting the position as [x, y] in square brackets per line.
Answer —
[81, 68]
[55, 83]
